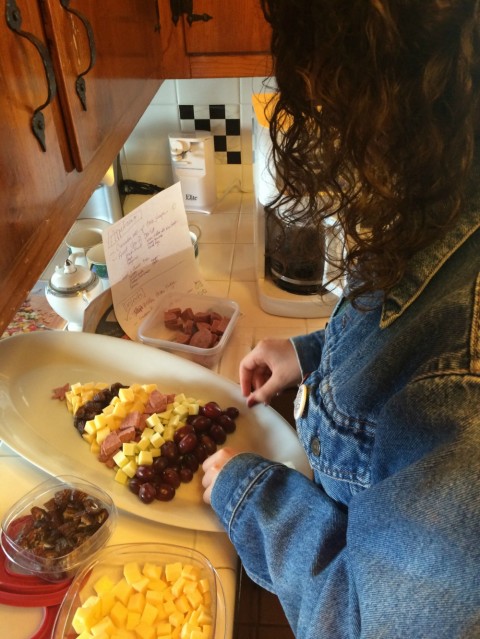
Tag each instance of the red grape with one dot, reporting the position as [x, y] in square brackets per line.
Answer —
[188, 443]
[145, 473]
[201, 423]
[147, 493]
[212, 410]
[186, 475]
[165, 492]
[217, 433]
[232, 412]
[171, 477]
[209, 444]
[227, 423]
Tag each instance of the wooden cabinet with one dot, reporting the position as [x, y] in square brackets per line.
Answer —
[233, 40]
[45, 46]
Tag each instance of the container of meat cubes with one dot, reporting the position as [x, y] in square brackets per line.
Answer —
[196, 327]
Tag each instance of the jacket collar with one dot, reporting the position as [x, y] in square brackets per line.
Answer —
[427, 262]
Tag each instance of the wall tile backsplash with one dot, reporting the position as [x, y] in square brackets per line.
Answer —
[222, 106]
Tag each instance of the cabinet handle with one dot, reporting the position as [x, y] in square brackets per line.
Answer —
[178, 7]
[14, 21]
[80, 85]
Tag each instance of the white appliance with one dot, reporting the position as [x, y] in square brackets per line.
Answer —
[274, 299]
[104, 203]
[193, 164]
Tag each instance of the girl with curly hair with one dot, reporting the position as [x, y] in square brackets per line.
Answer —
[375, 126]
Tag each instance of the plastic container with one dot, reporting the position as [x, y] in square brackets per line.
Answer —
[107, 568]
[62, 560]
[153, 331]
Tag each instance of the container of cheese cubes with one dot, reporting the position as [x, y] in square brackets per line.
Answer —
[143, 591]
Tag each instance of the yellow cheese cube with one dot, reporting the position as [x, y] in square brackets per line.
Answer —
[170, 607]
[149, 388]
[173, 571]
[121, 459]
[182, 604]
[191, 572]
[129, 449]
[101, 421]
[133, 619]
[176, 618]
[121, 477]
[145, 458]
[132, 572]
[84, 619]
[119, 410]
[149, 614]
[154, 597]
[126, 395]
[207, 631]
[141, 585]
[145, 631]
[156, 440]
[118, 614]
[122, 591]
[157, 585]
[102, 434]
[143, 444]
[130, 469]
[90, 427]
[136, 602]
[153, 420]
[104, 584]
[204, 585]
[163, 628]
[177, 587]
[105, 625]
[107, 601]
[195, 598]
[123, 633]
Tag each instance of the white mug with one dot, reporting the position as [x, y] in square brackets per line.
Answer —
[98, 264]
[79, 241]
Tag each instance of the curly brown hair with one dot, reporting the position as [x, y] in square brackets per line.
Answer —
[375, 110]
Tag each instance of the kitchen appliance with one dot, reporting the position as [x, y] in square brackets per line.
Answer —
[104, 203]
[193, 164]
[287, 269]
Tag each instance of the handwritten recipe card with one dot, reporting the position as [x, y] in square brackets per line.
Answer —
[149, 253]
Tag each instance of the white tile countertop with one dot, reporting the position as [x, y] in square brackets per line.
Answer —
[226, 261]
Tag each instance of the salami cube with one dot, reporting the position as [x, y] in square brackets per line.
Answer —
[187, 314]
[201, 339]
[219, 326]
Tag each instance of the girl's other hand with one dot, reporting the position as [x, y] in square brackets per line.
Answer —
[212, 466]
[272, 366]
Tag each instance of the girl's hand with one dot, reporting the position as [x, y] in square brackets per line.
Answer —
[272, 366]
[212, 466]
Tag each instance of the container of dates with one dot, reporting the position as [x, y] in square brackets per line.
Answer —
[196, 327]
[54, 530]
[144, 590]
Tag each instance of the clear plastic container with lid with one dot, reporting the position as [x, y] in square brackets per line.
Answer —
[178, 586]
[56, 527]
[154, 332]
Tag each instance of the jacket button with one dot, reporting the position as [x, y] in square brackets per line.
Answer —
[300, 401]
[315, 446]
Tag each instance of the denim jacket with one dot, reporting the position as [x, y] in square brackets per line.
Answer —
[385, 542]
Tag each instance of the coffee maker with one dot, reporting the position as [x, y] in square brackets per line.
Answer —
[288, 269]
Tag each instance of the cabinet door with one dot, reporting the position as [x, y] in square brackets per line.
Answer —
[109, 48]
[234, 41]
[31, 178]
